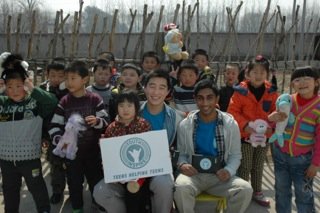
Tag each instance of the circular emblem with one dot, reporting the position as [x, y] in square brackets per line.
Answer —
[135, 153]
[28, 114]
[205, 163]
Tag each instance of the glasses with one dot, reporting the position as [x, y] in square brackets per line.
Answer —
[302, 79]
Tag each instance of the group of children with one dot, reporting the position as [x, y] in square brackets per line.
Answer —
[110, 107]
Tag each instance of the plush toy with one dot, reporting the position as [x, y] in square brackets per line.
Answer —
[3, 57]
[67, 145]
[258, 137]
[173, 45]
[283, 104]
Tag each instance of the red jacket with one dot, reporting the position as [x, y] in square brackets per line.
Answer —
[245, 107]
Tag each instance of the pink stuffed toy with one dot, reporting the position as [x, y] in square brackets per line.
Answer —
[67, 145]
[258, 138]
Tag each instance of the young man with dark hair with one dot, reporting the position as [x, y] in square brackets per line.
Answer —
[215, 135]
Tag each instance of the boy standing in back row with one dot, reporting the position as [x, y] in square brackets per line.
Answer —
[90, 106]
[55, 85]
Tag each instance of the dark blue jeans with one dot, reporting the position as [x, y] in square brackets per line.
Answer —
[12, 174]
[290, 170]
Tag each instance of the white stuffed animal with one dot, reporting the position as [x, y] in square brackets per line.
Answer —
[283, 104]
[3, 57]
[258, 138]
[67, 145]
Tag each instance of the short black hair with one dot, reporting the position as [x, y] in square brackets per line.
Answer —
[131, 97]
[188, 64]
[104, 64]
[55, 66]
[16, 72]
[204, 84]
[259, 60]
[151, 54]
[229, 65]
[159, 73]
[306, 71]
[106, 56]
[78, 67]
[200, 52]
[131, 66]
[11, 60]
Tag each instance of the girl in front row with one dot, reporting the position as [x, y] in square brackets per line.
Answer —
[299, 159]
[115, 197]
[253, 99]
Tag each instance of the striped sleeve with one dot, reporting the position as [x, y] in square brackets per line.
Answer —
[57, 122]
[102, 116]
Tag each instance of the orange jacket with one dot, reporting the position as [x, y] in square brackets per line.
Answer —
[245, 107]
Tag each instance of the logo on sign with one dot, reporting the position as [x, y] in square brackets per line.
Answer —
[205, 164]
[135, 153]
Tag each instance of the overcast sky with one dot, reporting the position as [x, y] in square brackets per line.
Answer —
[73, 5]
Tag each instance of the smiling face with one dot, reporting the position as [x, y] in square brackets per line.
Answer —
[15, 89]
[206, 101]
[305, 86]
[257, 75]
[156, 91]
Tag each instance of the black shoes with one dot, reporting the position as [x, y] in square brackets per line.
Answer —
[56, 198]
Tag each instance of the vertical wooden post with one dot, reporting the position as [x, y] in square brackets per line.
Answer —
[38, 44]
[103, 34]
[290, 48]
[53, 41]
[198, 25]
[145, 14]
[133, 16]
[18, 33]
[141, 36]
[113, 29]
[210, 50]
[79, 25]
[183, 15]
[9, 33]
[93, 29]
[30, 42]
[156, 43]
[63, 44]
[262, 29]
[176, 12]
[303, 20]
[73, 37]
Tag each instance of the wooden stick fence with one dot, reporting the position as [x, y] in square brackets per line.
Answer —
[106, 39]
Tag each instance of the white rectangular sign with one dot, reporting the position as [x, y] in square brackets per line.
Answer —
[135, 156]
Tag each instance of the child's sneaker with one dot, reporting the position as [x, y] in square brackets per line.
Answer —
[261, 199]
[77, 211]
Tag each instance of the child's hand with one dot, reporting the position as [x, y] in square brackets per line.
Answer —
[91, 120]
[249, 130]
[277, 116]
[188, 170]
[223, 175]
[312, 171]
[28, 84]
[269, 131]
[173, 72]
